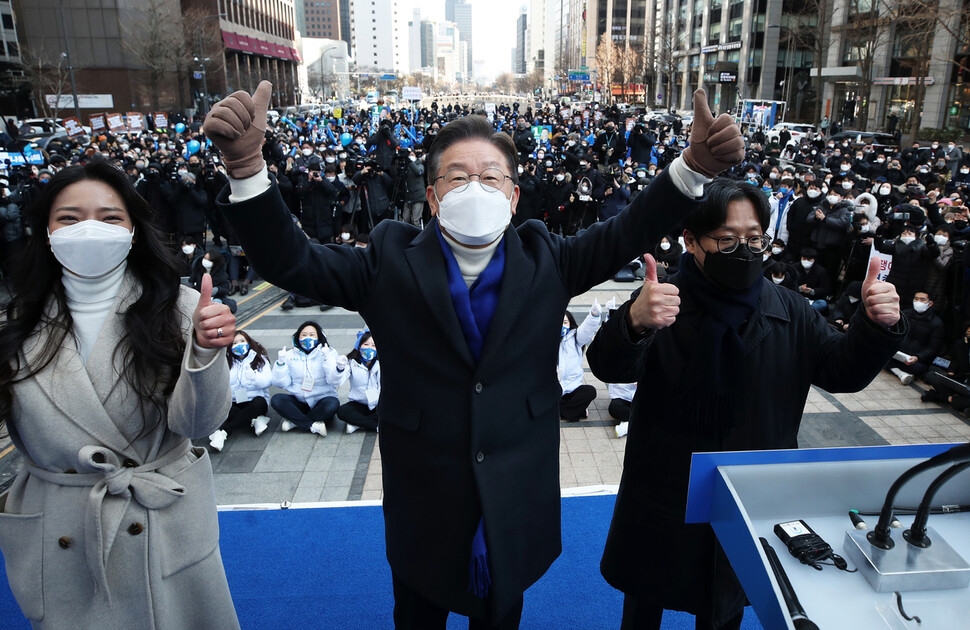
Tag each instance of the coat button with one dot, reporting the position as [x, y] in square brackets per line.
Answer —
[480, 457]
[136, 528]
[130, 463]
[478, 388]
[64, 542]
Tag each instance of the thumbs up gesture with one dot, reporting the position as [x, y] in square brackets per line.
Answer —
[214, 325]
[879, 298]
[715, 145]
[657, 305]
[236, 125]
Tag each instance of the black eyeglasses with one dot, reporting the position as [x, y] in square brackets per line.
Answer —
[728, 244]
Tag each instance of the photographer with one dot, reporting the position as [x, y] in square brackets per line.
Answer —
[616, 195]
[189, 201]
[157, 192]
[641, 144]
[383, 145]
[414, 190]
[322, 199]
[373, 189]
[530, 194]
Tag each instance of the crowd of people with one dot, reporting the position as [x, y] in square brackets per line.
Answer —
[334, 210]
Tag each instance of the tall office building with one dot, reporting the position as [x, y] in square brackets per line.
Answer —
[414, 41]
[536, 53]
[236, 43]
[321, 19]
[345, 32]
[376, 40]
[428, 50]
[463, 18]
[518, 59]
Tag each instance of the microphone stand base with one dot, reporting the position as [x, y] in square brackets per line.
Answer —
[905, 567]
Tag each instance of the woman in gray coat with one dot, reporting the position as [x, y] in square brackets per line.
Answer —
[107, 367]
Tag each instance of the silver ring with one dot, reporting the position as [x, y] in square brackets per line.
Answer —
[219, 332]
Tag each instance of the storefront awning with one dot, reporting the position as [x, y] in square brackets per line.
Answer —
[254, 46]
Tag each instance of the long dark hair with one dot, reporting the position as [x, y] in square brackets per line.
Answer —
[152, 346]
[258, 361]
[354, 355]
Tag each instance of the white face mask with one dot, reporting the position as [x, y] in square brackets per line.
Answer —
[880, 160]
[864, 228]
[776, 250]
[665, 246]
[307, 152]
[941, 239]
[907, 239]
[207, 264]
[90, 249]
[853, 300]
[773, 175]
[345, 236]
[777, 280]
[474, 216]
[813, 193]
[833, 199]
[188, 250]
[847, 185]
[560, 177]
[885, 190]
[965, 170]
[807, 264]
[330, 159]
[920, 307]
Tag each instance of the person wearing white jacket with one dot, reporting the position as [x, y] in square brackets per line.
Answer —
[308, 371]
[576, 396]
[250, 376]
[364, 371]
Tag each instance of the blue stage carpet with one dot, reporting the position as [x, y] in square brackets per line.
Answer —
[325, 568]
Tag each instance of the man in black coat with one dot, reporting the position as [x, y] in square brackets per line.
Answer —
[723, 360]
[924, 341]
[610, 146]
[469, 431]
[525, 142]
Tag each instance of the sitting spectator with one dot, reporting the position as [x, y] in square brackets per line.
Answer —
[841, 314]
[953, 389]
[923, 342]
[813, 280]
[364, 371]
[308, 372]
[250, 376]
[214, 264]
[782, 275]
[576, 396]
[668, 253]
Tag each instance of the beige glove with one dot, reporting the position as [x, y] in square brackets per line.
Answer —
[715, 145]
[237, 125]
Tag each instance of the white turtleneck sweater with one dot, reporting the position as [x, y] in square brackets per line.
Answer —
[90, 301]
[471, 261]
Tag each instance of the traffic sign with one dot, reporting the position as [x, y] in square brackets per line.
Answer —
[388, 77]
[660, 97]
[579, 76]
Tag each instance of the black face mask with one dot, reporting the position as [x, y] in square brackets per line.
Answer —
[737, 271]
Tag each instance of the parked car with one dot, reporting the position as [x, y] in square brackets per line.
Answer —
[797, 131]
[880, 142]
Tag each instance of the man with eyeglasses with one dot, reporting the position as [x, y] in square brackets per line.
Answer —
[468, 314]
[724, 360]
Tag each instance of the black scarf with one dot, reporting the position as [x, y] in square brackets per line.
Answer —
[714, 352]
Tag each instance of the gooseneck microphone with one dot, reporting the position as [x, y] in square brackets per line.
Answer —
[798, 616]
[916, 535]
[880, 536]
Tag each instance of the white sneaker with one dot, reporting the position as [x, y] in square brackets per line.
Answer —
[259, 424]
[286, 425]
[903, 377]
[217, 440]
[319, 428]
[351, 428]
[621, 429]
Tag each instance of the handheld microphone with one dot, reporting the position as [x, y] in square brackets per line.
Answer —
[798, 616]
[880, 536]
[916, 535]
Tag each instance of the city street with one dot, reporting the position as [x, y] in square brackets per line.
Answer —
[301, 467]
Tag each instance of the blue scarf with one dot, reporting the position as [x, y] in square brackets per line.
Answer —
[475, 308]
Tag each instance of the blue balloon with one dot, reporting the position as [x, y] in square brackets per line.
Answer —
[345, 139]
[193, 146]
[179, 127]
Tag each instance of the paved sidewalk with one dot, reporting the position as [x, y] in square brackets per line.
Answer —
[302, 467]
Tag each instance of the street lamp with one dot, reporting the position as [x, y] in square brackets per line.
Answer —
[201, 59]
[70, 67]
